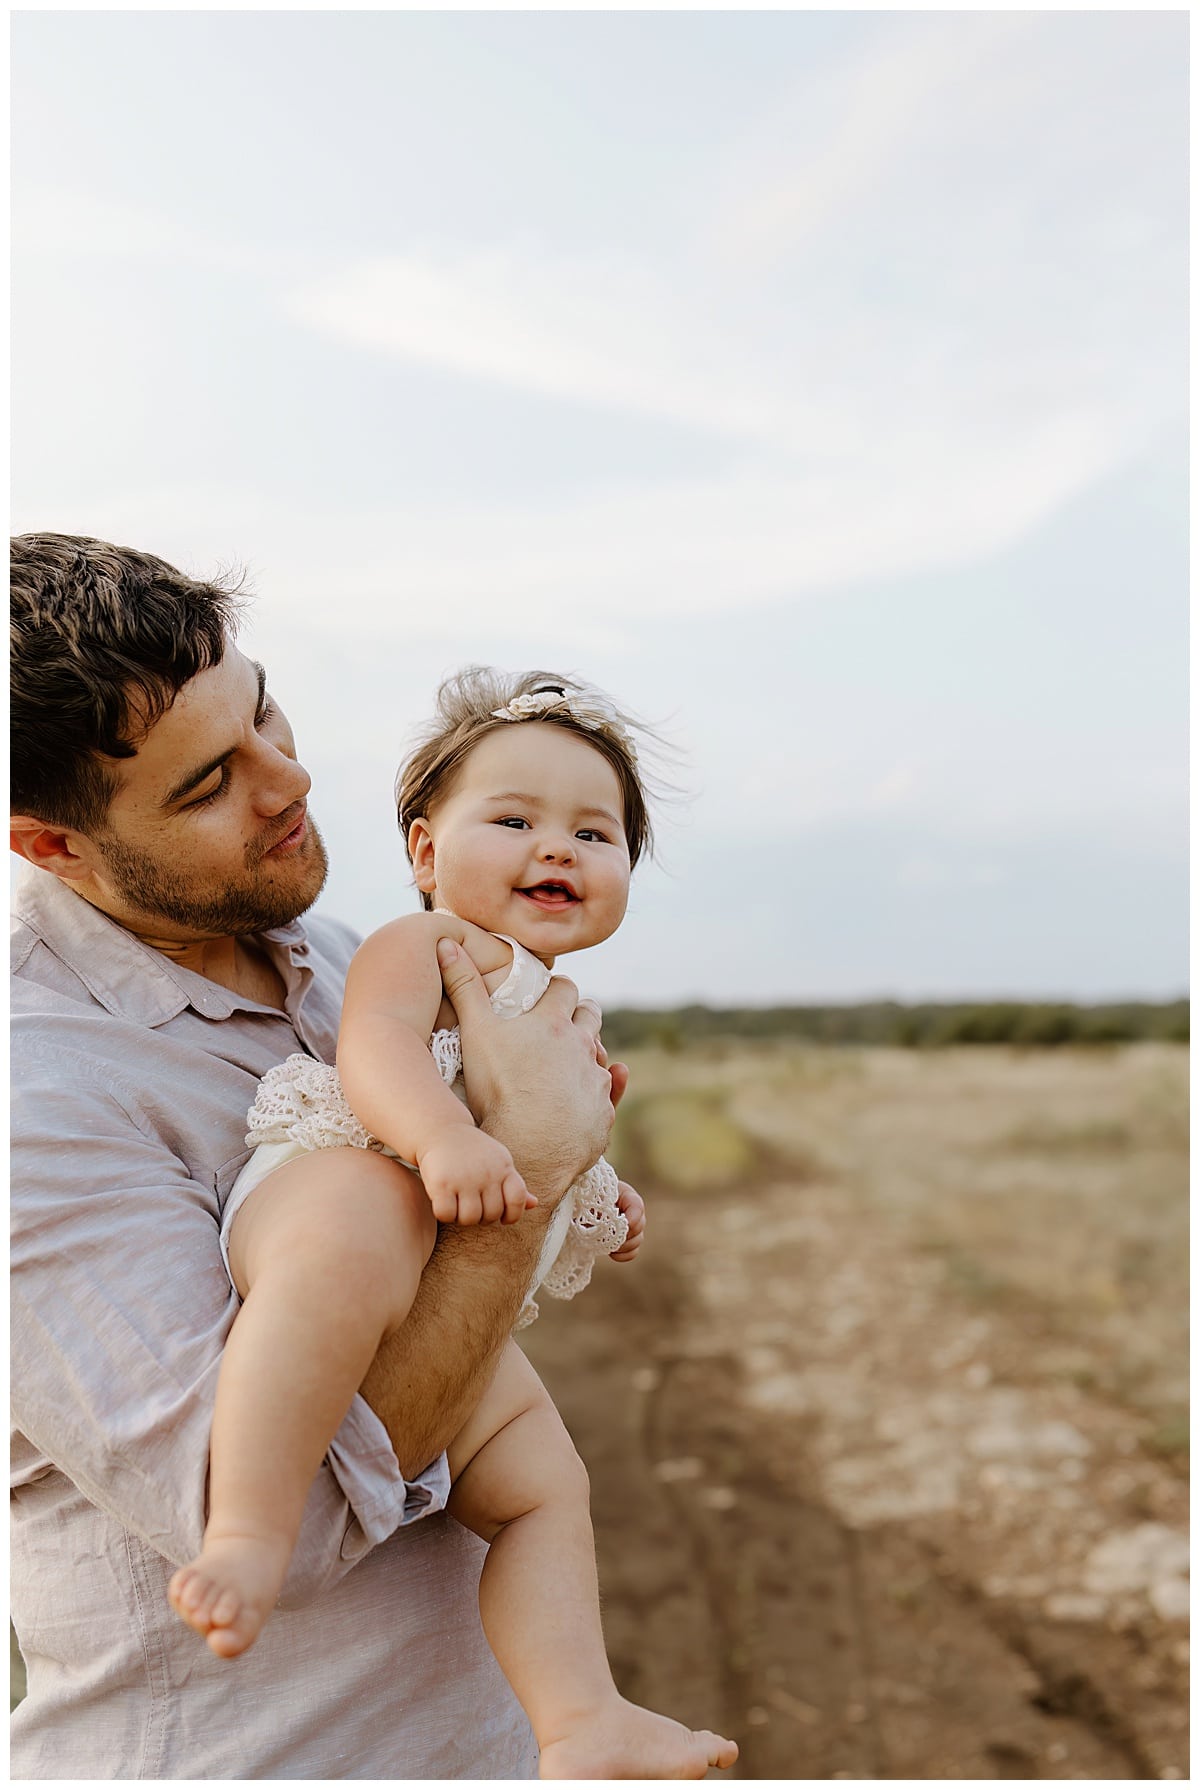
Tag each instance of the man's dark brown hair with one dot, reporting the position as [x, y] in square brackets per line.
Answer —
[103, 640]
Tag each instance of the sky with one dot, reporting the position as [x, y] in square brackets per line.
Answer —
[813, 382]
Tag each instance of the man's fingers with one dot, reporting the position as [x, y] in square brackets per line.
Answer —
[460, 978]
[562, 993]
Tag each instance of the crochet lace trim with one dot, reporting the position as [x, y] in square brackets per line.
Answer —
[301, 1101]
[597, 1228]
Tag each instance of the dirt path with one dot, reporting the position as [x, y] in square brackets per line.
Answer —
[844, 1513]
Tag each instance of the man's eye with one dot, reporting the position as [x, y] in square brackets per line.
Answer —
[512, 820]
[266, 709]
[219, 790]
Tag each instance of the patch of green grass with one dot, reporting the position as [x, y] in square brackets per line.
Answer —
[967, 1275]
[1043, 1137]
[1172, 1437]
[683, 1140]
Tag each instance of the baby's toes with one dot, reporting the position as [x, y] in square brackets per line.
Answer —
[225, 1608]
[234, 1626]
[184, 1588]
[194, 1594]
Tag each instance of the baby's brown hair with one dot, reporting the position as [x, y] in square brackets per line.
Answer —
[479, 699]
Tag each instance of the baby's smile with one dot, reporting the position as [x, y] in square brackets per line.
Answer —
[551, 894]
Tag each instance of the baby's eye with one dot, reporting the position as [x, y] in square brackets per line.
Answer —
[512, 820]
[592, 835]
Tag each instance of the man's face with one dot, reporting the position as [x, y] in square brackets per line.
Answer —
[208, 835]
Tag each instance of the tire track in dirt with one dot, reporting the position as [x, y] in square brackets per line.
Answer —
[736, 1598]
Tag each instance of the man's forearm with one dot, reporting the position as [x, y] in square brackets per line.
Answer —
[429, 1376]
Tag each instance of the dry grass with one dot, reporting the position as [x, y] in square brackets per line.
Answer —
[1051, 1181]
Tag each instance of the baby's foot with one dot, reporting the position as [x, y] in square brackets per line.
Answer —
[227, 1592]
[619, 1740]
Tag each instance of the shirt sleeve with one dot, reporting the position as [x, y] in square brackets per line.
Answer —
[120, 1307]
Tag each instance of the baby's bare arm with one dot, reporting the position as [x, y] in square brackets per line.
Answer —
[393, 993]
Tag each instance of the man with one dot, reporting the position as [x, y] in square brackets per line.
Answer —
[159, 969]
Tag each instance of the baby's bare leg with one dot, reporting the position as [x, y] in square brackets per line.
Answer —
[519, 1483]
[327, 1254]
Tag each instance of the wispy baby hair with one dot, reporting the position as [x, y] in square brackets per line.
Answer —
[479, 700]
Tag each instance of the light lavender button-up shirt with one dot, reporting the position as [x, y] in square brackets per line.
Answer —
[131, 1080]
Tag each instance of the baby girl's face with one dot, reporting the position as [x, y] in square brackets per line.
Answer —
[530, 841]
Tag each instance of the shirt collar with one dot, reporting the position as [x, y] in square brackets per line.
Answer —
[132, 980]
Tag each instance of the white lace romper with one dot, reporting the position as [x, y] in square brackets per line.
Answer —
[300, 1106]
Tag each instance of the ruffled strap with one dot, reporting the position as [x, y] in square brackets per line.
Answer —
[523, 987]
[526, 982]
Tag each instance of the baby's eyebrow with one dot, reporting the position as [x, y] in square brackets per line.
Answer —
[517, 795]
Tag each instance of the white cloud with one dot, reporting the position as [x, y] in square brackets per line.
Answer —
[601, 331]
[61, 224]
[923, 333]
[824, 152]
[597, 564]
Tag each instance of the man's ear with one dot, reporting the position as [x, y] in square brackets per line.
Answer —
[49, 848]
[420, 850]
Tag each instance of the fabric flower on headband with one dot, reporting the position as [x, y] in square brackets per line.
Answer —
[589, 708]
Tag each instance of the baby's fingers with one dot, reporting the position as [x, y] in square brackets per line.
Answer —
[505, 1199]
[631, 1203]
[517, 1197]
[492, 1202]
[470, 1209]
[445, 1205]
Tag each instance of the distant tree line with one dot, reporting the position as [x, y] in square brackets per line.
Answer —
[925, 1025]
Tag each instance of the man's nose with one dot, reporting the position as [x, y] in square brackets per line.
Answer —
[284, 781]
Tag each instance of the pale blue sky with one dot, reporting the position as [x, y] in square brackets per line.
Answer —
[815, 382]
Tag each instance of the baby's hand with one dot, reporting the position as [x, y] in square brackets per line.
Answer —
[634, 1208]
[472, 1179]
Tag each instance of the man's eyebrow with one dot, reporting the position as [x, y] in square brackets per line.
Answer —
[192, 779]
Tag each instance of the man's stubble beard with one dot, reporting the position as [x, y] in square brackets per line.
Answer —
[232, 912]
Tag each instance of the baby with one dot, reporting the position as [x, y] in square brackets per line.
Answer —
[523, 813]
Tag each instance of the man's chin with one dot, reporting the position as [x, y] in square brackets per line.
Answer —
[291, 902]
[257, 905]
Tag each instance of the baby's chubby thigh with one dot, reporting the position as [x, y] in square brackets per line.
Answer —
[347, 1225]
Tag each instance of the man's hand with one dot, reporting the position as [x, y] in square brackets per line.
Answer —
[539, 1083]
[541, 1086]
[471, 1179]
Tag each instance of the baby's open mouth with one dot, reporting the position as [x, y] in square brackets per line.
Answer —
[550, 894]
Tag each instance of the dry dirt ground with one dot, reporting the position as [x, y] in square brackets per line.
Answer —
[887, 1428]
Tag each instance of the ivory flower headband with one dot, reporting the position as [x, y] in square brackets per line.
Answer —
[587, 707]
